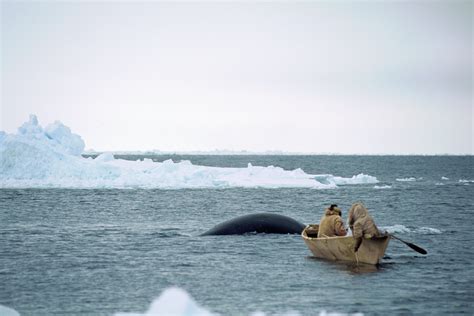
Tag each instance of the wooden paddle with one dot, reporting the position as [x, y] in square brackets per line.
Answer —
[412, 246]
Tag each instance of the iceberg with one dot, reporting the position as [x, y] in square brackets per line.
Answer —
[50, 157]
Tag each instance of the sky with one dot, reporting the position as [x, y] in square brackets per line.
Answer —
[349, 77]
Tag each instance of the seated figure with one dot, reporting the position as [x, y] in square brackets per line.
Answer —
[362, 224]
[331, 223]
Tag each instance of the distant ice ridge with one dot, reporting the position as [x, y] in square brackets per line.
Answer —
[175, 301]
[50, 157]
[403, 229]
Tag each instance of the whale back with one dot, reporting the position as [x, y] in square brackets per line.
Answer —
[267, 223]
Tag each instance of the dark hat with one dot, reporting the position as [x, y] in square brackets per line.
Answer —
[335, 209]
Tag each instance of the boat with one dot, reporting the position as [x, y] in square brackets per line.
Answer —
[342, 247]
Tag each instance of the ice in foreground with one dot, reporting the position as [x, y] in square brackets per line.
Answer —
[50, 157]
[175, 301]
[6, 311]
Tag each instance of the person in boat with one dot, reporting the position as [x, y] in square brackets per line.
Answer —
[361, 224]
[331, 223]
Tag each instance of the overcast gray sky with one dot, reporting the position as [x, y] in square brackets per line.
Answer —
[316, 76]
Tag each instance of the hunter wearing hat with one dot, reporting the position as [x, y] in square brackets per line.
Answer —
[331, 223]
[361, 224]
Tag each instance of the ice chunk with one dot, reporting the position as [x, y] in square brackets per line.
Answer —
[381, 187]
[31, 127]
[51, 158]
[6, 311]
[61, 134]
[358, 179]
[105, 157]
[410, 179]
[175, 301]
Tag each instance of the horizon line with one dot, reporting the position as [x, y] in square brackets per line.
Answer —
[219, 152]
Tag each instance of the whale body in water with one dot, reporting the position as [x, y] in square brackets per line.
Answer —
[257, 223]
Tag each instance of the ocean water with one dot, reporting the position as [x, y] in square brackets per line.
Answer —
[102, 251]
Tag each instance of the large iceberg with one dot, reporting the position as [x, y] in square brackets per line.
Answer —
[51, 157]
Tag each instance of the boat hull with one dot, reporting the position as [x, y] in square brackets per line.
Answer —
[342, 248]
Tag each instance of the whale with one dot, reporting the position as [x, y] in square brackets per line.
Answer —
[267, 223]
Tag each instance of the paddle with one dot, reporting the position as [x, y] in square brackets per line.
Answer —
[412, 246]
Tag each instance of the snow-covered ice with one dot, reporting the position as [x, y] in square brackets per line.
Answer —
[51, 157]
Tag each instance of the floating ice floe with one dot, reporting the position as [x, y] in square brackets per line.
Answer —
[410, 179]
[175, 301]
[466, 181]
[403, 229]
[50, 157]
[444, 178]
[381, 187]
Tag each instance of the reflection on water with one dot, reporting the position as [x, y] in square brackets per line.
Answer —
[350, 267]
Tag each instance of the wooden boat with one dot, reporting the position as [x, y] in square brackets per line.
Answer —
[342, 248]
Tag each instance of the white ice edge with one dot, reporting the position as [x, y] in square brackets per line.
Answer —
[51, 158]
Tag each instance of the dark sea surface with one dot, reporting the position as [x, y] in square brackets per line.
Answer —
[101, 251]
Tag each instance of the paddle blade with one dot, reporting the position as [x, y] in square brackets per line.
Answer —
[416, 248]
[412, 246]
